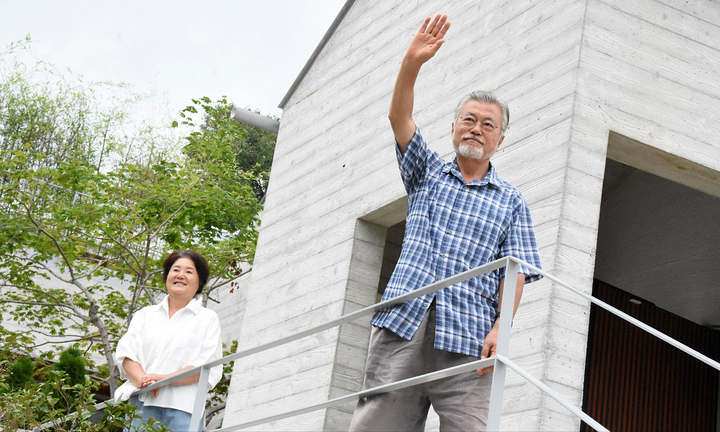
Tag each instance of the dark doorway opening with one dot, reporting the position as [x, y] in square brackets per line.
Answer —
[656, 260]
[637, 382]
[391, 254]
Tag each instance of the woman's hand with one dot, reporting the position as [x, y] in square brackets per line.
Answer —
[150, 379]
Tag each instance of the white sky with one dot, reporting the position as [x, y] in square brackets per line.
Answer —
[249, 50]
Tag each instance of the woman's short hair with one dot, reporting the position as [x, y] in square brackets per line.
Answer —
[201, 266]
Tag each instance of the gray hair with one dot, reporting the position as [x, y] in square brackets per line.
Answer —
[486, 97]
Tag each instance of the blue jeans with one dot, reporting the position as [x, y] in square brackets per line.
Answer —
[174, 419]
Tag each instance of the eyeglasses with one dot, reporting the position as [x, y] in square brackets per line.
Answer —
[470, 121]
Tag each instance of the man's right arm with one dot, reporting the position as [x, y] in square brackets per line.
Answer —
[426, 42]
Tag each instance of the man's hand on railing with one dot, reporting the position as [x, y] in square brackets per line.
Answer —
[489, 347]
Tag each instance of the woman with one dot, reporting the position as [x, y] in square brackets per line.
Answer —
[166, 339]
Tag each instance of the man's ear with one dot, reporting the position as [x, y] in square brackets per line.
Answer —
[502, 138]
[452, 128]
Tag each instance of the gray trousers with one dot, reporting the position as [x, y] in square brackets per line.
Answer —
[460, 401]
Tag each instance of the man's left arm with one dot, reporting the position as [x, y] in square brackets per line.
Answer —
[490, 343]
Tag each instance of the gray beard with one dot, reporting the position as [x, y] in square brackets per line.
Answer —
[471, 152]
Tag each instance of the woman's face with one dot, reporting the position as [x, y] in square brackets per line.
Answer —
[183, 280]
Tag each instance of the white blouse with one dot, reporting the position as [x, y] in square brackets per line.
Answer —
[162, 345]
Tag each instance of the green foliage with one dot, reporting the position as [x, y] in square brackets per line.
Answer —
[47, 404]
[71, 363]
[55, 401]
[219, 138]
[21, 373]
[88, 208]
[217, 396]
[33, 402]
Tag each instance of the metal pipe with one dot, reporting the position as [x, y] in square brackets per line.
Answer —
[397, 385]
[500, 360]
[254, 119]
[502, 348]
[196, 421]
[435, 286]
[552, 393]
[637, 323]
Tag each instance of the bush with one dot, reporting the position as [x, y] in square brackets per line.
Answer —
[21, 372]
[45, 404]
[72, 364]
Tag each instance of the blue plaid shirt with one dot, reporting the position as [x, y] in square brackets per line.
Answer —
[452, 227]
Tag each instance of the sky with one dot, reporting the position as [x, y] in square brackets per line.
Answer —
[249, 50]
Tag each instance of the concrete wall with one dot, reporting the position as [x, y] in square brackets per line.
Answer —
[229, 303]
[571, 71]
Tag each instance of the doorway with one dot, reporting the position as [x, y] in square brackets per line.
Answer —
[635, 381]
[657, 260]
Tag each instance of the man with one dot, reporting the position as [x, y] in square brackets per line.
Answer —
[460, 215]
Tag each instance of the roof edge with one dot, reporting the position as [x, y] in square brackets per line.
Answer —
[338, 19]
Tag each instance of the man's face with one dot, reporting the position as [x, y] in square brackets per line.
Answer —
[477, 132]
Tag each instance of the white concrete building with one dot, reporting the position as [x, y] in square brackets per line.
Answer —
[614, 142]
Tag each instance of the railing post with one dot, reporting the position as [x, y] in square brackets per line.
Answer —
[196, 422]
[503, 345]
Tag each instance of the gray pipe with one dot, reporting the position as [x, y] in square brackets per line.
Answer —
[255, 119]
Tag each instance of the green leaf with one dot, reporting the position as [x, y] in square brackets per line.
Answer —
[98, 200]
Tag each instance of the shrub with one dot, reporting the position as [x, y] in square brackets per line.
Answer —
[21, 372]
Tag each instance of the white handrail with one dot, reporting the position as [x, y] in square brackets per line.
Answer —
[408, 382]
[501, 361]
[550, 392]
[200, 398]
[679, 345]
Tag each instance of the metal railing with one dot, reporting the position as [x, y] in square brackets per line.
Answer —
[500, 361]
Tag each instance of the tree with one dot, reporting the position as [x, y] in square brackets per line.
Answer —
[88, 210]
[252, 147]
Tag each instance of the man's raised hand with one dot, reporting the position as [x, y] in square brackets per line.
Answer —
[428, 40]
[423, 47]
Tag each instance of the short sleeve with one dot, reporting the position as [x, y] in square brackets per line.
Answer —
[521, 243]
[130, 345]
[211, 348]
[413, 162]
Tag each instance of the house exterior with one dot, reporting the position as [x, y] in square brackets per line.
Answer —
[601, 93]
